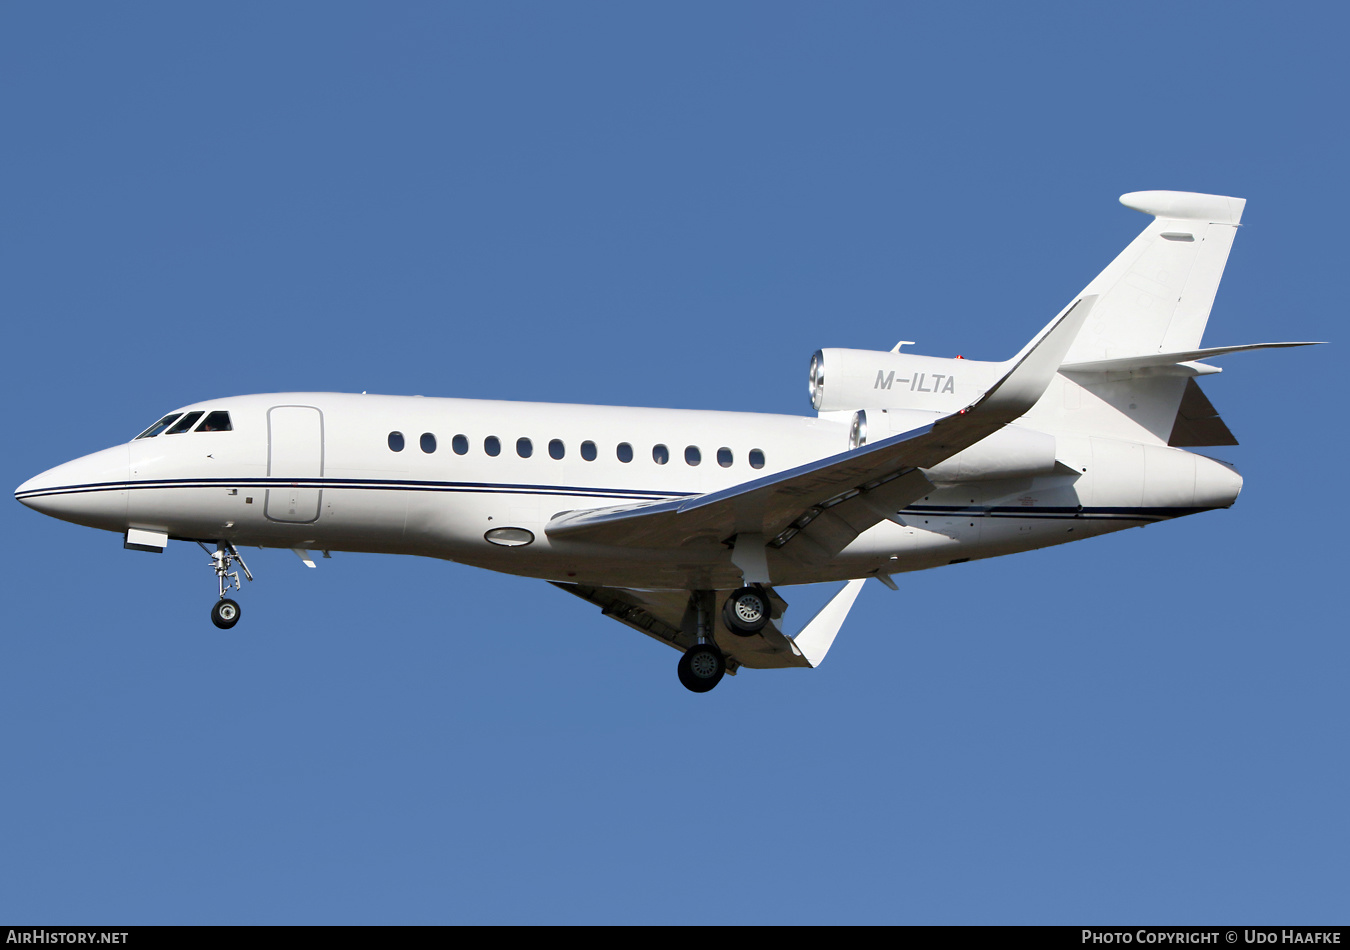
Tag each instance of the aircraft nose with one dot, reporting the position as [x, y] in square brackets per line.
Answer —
[90, 490]
[37, 489]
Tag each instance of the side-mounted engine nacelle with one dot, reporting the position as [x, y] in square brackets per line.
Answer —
[1011, 452]
[858, 379]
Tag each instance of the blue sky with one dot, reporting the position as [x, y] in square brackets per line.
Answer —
[668, 205]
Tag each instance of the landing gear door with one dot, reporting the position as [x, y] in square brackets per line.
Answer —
[295, 452]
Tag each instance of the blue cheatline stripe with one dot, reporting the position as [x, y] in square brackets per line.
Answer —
[375, 484]
[1100, 512]
[1096, 513]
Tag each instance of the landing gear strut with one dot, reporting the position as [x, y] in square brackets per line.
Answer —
[703, 665]
[225, 613]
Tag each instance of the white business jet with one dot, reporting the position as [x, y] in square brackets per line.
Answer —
[684, 525]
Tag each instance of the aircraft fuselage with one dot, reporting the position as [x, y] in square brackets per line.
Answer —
[323, 472]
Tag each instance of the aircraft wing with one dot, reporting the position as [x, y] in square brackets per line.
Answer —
[829, 502]
[660, 614]
[668, 616]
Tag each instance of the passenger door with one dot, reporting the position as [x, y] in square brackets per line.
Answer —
[294, 451]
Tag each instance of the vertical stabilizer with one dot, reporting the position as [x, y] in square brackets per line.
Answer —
[1155, 297]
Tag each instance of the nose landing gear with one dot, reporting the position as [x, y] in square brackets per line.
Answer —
[225, 613]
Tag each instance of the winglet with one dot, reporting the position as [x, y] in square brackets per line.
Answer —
[815, 640]
[1036, 365]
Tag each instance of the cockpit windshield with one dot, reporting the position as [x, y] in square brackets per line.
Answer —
[177, 422]
[218, 421]
[185, 423]
[158, 427]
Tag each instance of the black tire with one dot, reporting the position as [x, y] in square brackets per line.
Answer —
[746, 611]
[701, 668]
[225, 614]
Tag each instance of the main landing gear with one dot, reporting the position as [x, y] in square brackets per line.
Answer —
[225, 613]
[701, 668]
[746, 611]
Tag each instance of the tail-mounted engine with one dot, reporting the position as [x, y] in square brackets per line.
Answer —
[1011, 452]
[871, 379]
[891, 393]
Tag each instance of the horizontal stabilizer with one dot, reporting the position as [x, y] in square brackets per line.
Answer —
[815, 640]
[1130, 363]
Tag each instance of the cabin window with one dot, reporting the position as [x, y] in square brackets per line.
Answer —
[492, 445]
[460, 444]
[396, 442]
[724, 457]
[218, 421]
[660, 454]
[185, 423]
[588, 451]
[428, 443]
[692, 456]
[158, 427]
[556, 449]
[756, 458]
[624, 452]
[524, 448]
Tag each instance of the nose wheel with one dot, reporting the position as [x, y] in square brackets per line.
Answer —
[225, 613]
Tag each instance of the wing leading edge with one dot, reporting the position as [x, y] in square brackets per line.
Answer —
[829, 502]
